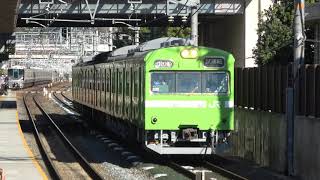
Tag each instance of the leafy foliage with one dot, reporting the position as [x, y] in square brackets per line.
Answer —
[275, 30]
[275, 34]
[178, 32]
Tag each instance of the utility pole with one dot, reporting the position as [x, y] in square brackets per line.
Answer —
[194, 25]
[298, 55]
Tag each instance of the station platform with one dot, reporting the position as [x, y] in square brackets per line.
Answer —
[16, 159]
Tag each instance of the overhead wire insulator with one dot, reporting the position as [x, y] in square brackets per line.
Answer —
[184, 19]
[170, 19]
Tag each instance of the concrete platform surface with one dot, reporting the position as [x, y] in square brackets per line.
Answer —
[16, 159]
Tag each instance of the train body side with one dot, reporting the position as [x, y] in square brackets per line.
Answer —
[113, 88]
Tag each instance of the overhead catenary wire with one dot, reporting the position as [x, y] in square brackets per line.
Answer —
[164, 16]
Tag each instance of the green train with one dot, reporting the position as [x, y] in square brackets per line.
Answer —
[174, 99]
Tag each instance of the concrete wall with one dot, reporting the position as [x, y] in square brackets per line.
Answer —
[307, 148]
[261, 137]
[225, 33]
[234, 33]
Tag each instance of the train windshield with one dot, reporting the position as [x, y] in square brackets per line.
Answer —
[215, 82]
[190, 82]
[15, 73]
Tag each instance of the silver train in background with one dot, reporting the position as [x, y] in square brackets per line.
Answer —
[21, 77]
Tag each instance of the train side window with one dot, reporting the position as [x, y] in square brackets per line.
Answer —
[80, 78]
[98, 80]
[113, 88]
[101, 80]
[120, 82]
[135, 76]
[127, 82]
[105, 79]
[85, 80]
[109, 80]
[89, 79]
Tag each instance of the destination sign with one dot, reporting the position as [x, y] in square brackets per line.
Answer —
[214, 62]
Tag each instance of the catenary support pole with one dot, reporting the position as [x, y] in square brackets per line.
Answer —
[136, 35]
[194, 25]
[298, 55]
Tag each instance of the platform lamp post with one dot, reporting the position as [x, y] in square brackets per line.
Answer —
[298, 60]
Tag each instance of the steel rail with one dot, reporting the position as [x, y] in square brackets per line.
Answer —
[223, 171]
[66, 97]
[64, 103]
[53, 172]
[82, 161]
[183, 170]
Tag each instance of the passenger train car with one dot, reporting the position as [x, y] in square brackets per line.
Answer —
[21, 77]
[172, 100]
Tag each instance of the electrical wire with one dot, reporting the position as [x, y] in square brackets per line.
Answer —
[165, 16]
[184, 5]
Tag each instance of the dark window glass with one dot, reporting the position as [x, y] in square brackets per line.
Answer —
[163, 82]
[10, 72]
[215, 82]
[188, 82]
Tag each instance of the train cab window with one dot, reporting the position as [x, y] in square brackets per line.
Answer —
[215, 82]
[163, 82]
[15, 73]
[188, 82]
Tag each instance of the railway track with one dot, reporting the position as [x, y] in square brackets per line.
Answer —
[68, 99]
[68, 104]
[47, 160]
[52, 169]
[206, 170]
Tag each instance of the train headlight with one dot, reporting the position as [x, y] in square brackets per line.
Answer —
[189, 53]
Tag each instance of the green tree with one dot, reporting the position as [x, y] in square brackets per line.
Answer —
[275, 34]
[178, 32]
[275, 30]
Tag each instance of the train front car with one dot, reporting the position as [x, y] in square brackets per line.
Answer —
[189, 100]
[15, 77]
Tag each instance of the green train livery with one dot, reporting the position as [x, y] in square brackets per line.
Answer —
[171, 98]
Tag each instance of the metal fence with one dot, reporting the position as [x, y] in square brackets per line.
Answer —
[264, 88]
